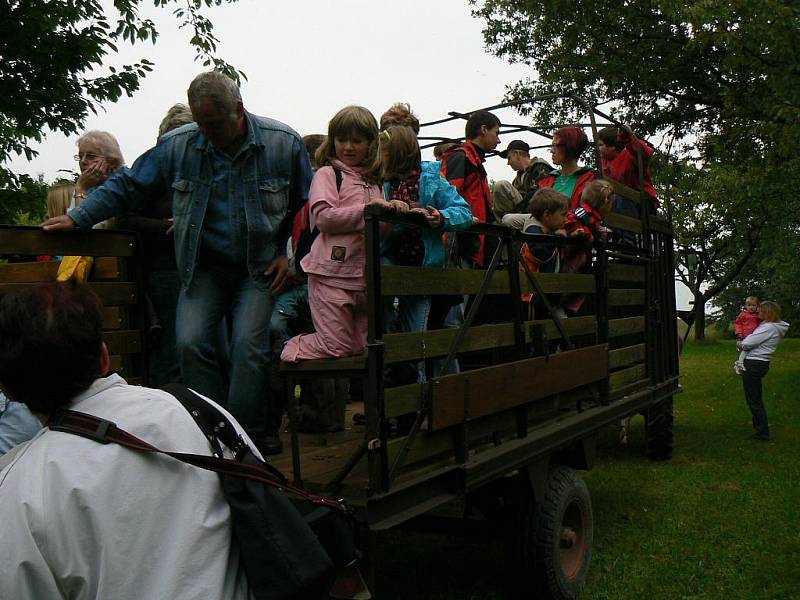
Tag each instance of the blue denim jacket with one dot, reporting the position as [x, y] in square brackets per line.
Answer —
[274, 184]
[17, 424]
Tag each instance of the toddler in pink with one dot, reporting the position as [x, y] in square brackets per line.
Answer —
[340, 190]
[744, 325]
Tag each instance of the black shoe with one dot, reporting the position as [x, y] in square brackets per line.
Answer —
[269, 444]
[758, 437]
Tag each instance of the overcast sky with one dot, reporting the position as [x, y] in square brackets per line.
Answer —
[304, 61]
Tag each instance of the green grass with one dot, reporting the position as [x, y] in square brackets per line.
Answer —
[722, 519]
[719, 521]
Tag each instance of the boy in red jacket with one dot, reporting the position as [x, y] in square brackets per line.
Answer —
[619, 156]
[744, 325]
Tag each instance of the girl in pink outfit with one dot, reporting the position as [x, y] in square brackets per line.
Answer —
[744, 325]
[340, 190]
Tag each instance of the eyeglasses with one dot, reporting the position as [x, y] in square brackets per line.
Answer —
[88, 156]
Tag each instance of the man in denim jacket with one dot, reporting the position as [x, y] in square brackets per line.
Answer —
[236, 181]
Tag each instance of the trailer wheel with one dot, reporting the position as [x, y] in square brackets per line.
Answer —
[658, 430]
[562, 539]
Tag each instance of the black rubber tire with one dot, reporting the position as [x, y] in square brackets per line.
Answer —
[659, 420]
[564, 516]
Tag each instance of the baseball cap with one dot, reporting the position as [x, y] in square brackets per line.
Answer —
[515, 145]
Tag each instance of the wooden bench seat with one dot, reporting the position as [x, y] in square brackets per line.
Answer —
[339, 366]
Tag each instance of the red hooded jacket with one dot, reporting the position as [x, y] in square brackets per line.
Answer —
[463, 167]
[625, 166]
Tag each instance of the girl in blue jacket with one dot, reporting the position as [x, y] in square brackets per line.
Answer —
[416, 187]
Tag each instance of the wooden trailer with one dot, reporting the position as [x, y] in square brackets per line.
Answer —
[508, 432]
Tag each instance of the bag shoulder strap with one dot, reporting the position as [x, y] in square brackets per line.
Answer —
[105, 432]
[214, 425]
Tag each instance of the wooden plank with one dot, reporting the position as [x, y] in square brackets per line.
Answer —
[336, 365]
[616, 221]
[630, 297]
[28, 272]
[127, 341]
[414, 281]
[113, 317]
[574, 326]
[106, 267]
[560, 283]
[426, 445]
[110, 293]
[622, 357]
[626, 326]
[97, 242]
[115, 363]
[430, 446]
[116, 294]
[626, 273]
[401, 347]
[657, 224]
[626, 192]
[626, 377]
[402, 399]
[465, 396]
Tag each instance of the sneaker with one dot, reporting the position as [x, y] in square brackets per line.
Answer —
[738, 368]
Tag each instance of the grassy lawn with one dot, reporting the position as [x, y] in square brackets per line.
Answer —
[722, 519]
[719, 521]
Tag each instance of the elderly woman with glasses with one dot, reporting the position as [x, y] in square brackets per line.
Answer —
[98, 156]
[569, 143]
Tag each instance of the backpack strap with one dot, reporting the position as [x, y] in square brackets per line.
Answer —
[104, 432]
[338, 174]
[214, 425]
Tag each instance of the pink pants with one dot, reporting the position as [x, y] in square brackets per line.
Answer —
[340, 320]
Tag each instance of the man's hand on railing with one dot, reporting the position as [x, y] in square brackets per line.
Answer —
[61, 223]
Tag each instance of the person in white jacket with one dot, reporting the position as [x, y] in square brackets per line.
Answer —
[758, 348]
[82, 520]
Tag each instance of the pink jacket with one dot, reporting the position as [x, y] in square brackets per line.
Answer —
[338, 250]
[745, 324]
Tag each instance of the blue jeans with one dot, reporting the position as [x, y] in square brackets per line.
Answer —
[163, 287]
[290, 306]
[754, 372]
[214, 293]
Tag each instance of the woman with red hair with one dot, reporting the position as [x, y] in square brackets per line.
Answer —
[568, 144]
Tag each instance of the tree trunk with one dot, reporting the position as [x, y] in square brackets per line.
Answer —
[699, 318]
